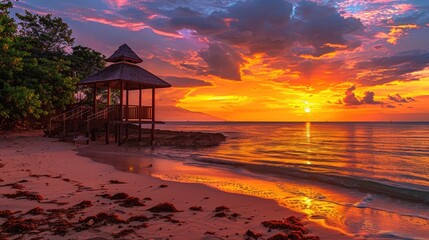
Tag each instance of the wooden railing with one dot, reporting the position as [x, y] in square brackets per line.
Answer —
[106, 113]
[131, 113]
[80, 112]
[136, 112]
[62, 121]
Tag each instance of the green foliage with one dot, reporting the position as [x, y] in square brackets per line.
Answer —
[47, 78]
[85, 62]
[37, 74]
[10, 57]
[21, 103]
[10, 63]
[46, 35]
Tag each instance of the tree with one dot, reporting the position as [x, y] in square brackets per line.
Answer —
[16, 102]
[19, 104]
[38, 74]
[85, 62]
[46, 35]
[45, 68]
[10, 57]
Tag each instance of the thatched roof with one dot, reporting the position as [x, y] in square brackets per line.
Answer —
[133, 75]
[124, 54]
[125, 70]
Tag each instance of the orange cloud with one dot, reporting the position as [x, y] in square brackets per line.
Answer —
[324, 56]
[396, 32]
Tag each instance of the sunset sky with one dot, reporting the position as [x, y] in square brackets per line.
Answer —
[267, 60]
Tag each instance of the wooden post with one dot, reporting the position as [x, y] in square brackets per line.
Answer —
[127, 110]
[121, 115]
[107, 113]
[119, 124]
[87, 128]
[116, 132]
[94, 101]
[121, 101]
[152, 132]
[94, 133]
[140, 112]
[107, 132]
[108, 94]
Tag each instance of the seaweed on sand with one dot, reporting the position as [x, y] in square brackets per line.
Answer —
[163, 207]
[24, 195]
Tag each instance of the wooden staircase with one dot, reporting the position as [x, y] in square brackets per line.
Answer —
[81, 120]
[69, 121]
[101, 121]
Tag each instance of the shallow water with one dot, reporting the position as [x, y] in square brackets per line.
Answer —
[366, 179]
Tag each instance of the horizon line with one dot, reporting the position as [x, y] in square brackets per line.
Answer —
[226, 121]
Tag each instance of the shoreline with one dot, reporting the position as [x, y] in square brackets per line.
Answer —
[55, 172]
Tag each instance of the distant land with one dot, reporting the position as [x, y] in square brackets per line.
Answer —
[172, 113]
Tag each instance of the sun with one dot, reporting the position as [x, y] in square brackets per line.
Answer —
[307, 110]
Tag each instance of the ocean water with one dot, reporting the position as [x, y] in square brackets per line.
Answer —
[368, 180]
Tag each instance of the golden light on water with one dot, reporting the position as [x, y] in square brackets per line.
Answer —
[308, 131]
[307, 205]
[307, 110]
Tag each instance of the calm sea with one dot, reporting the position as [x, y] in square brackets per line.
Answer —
[366, 179]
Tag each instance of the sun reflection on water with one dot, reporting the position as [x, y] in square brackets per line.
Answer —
[307, 202]
[308, 131]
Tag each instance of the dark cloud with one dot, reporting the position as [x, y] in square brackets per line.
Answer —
[242, 24]
[186, 82]
[186, 18]
[222, 61]
[239, 27]
[204, 7]
[397, 98]
[379, 47]
[194, 67]
[351, 99]
[323, 27]
[269, 28]
[414, 58]
[397, 67]
[369, 98]
[259, 26]
[387, 106]
[419, 17]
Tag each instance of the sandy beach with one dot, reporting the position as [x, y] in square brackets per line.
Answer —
[49, 192]
[226, 119]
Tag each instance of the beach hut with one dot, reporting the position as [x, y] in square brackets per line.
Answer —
[124, 75]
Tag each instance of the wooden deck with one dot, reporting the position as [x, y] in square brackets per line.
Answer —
[113, 119]
[115, 112]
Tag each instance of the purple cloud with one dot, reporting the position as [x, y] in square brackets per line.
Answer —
[392, 68]
[351, 99]
[222, 61]
[397, 98]
[186, 82]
